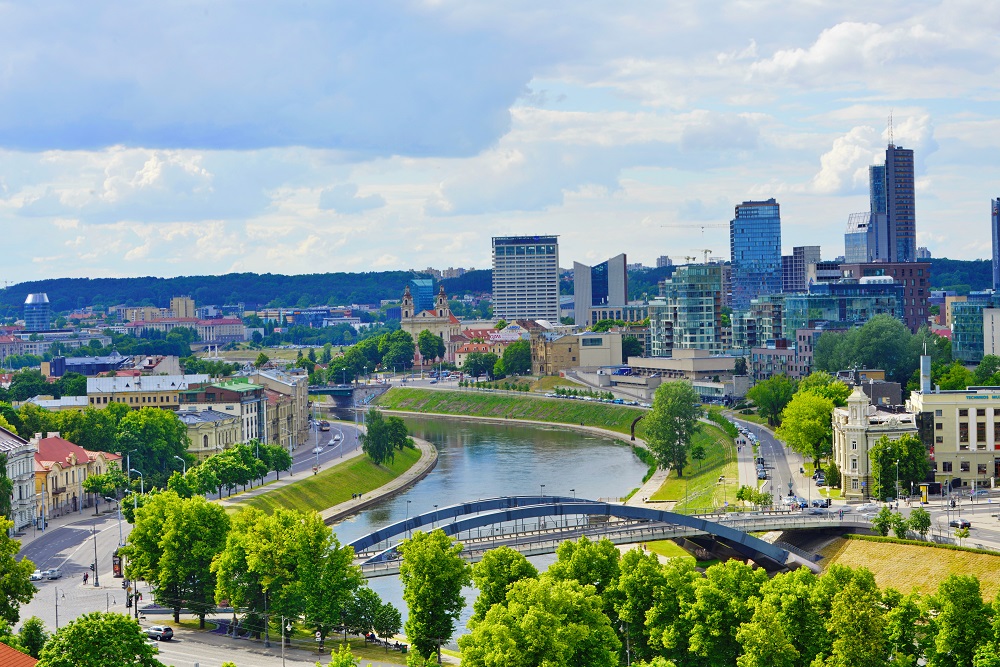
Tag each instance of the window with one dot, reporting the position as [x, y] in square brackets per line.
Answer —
[981, 412]
[591, 342]
[964, 466]
[937, 413]
[854, 465]
[963, 413]
[980, 431]
[946, 466]
[963, 432]
[939, 439]
[938, 426]
[981, 468]
[854, 484]
[854, 444]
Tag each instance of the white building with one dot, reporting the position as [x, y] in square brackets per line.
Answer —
[21, 472]
[526, 277]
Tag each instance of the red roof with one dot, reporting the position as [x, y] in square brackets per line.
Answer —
[56, 449]
[11, 658]
[474, 347]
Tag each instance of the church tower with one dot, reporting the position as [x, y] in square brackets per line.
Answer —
[406, 307]
[441, 304]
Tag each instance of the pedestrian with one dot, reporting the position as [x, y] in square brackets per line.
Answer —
[86, 575]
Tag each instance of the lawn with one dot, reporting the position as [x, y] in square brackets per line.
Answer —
[488, 404]
[550, 382]
[905, 567]
[668, 549]
[334, 485]
[700, 490]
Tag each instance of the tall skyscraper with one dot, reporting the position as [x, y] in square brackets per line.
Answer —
[605, 284]
[755, 247]
[995, 228]
[37, 313]
[893, 212]
[526, 277]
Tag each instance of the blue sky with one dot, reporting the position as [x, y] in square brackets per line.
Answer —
[180, 138]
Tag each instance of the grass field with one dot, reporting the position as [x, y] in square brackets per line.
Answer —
[668, 549]
[334, 485]
[700, 489]
[905, 567]
[550, 382]
[486, 404]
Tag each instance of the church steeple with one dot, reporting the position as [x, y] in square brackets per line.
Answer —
[406, 307]
[441, 303]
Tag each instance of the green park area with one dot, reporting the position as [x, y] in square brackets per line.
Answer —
[700, 490]
[335, 484]
[503, 406]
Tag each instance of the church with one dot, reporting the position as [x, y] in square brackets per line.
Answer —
[439, 321]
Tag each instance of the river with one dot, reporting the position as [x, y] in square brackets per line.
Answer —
[484, 460]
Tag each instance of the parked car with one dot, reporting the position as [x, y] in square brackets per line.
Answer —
[160, 632]
[960, 523]
[820, 481]
[761, 474]
[54, 573]
[36, 575]
[821, 502]
[979, 493]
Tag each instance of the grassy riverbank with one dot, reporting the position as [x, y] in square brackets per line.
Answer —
[486, 404]
[700, 490]
[334, 485]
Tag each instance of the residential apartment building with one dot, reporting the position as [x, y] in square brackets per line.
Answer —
[295, 385]
[913, 276]
[967, 326]
[60, 468]
[182, 307]
[843, 305]
[604, 285]
[526, 278]
[237, 396]
[155, 391]
[856, 429]
[211, 431]
[755, 248]
[795, 268]
[691, 302]
[21, 472]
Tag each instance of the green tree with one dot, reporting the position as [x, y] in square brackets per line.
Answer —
[388, 622]
[99, 640]
[381, 437]
[823, 384]
[361, 609]
[480, 363]
[15, 576]
[155, 436]
[635, 593]
[28, 382]
[986, 370]
[493, 576]
[432, 574]
[33, 636]
[342, 657]
[672, 423]
[920, 521]
[857, 624]
[899, 525]
[959, 621]
[631, 347]
[955, 376]
[261, 361]
[724, 599]
[771, 396]
[517, 358]
[913, 467]
[545, 622]
[431, 346]
[764, 640]
[882, 522]
[806, 425]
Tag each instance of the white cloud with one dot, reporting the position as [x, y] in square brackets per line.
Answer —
[344, 198]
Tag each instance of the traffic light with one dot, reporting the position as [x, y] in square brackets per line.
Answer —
[124, 584]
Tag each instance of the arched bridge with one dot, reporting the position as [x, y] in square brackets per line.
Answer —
[550, 517]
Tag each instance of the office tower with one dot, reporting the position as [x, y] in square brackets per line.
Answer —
[182, 306]
[755, 247]
[865, 240]
[422, 290]
[995, 227]
[36, 312]
[794, 268]
[923, 254]
[892, 201]
[605, 284]
[526, 277]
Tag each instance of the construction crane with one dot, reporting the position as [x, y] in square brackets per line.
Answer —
[686, 258]
[706, 251]
[702, 227]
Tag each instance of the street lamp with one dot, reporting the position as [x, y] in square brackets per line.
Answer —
[142, 480]
[183, 463]
[574, 493]
[94, 530]
[121, 541]
[897, 482]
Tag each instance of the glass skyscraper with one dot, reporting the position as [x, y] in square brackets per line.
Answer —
[423, 294]
[900, 213]
[604, 284]
[755, 247]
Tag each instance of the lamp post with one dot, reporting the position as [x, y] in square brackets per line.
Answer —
[96, 582]
[574, 493]
[286, 628]
[121, 541]
[184, 465]
[142, 481]
[897, 481]
[541, 490]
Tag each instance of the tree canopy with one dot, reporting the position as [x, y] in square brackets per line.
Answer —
[672, 423]
[771, 396]
[98, 640]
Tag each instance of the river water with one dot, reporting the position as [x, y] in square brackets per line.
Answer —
[485, 460]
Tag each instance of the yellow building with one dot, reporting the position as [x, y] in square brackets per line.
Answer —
[60, 468]
[182, 306]
[153, 391]
[439, 321]
[211, 431]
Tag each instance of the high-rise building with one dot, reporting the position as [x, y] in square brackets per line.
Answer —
[755, 247]
[182, 306]
[605, 284]
[422, 290]
[663, 261]
[923, 254]
[795, 268]
[995, 228]
[892, 201]
[526, 277]
[37, 313]
[865, 240]
[914, 277]
[688, 312]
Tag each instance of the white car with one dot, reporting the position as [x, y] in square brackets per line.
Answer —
[36, 575]
[317, 450]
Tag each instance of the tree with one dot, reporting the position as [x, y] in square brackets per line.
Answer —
[740, 368]
[431, 346]
[383, 436]
[857, 624]
[959, 620]
[493, 576]
[955, 376]
[99, 640]
[15, 576]
[631, 347]
[764, 640]
[920, 521]
[823, 384]
[806, 425]
[899, 525]
[33, 636]
[913, 467]
[635, 593]
[545, 622]
[882, 521]
[724, 599]
[156, 436]
[672, 423]
[342, 657]
[479, 363]
[832, 474]
[360, 610]
[517, 358]
[388, 621]
[771, 396]
[432, 574]
[261, 361]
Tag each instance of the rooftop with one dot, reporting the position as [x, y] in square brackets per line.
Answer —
[110, 385]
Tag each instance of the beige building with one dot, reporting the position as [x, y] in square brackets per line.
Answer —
[182, 306]
[152, 391]
[856, 429]
[60, 468]
[552, 353]
[211, 431]
[688, 364]
[438, 321]
[961, 429]
[295, 385]
[143, 313]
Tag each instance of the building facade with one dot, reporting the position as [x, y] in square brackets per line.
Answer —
[526, 278]
[692, 299]
[60, 469]
[900, 208]
[294, 384]
[967, 326]
[842, 305]
[603, 285]
[238, 397]
[37, 313]
[439, 321]
[856, 429]
[154, 391]
[21, 472]
[422, 290]
[915, 278]
[755, 249]
[182, 306]
[210, 431]
[995, 230]
[795, 268]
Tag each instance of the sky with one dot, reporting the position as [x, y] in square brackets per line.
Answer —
[189, 137]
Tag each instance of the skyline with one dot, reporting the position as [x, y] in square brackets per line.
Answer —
[208, 138]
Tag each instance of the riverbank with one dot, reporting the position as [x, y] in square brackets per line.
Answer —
[612, 420]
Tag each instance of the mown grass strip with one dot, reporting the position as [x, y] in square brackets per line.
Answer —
[480, 403]
[667, 549]
[700, 490]
[334, 485]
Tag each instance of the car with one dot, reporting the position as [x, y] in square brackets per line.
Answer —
[979, 493]
[434, 381]
[161, 633]
[818, 511]
[869, 508]
[336, 437]
[821, 502]
[960, 523]
[54, 573]
[762, 474]
[36, 575]
[317, 450]
[820, 481]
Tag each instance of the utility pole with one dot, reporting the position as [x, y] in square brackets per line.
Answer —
[96, 581]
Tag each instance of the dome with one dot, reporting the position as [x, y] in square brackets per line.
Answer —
[32, 299]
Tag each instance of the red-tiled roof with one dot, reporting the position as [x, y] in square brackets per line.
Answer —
[55, 449]
[11, 658]
[474, 347]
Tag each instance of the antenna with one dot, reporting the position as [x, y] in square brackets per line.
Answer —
[891, 142]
